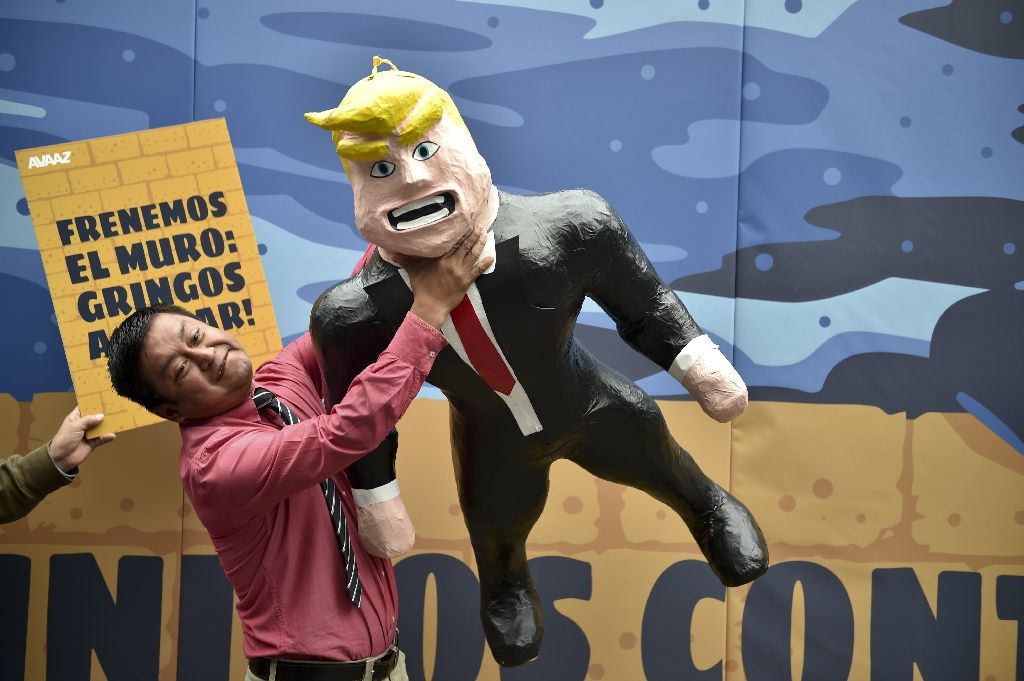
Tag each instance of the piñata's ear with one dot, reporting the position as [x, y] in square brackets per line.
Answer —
[328, 120]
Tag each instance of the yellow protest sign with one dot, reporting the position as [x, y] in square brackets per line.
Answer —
[138, 219]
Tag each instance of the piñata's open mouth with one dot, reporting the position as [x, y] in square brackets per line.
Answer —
[422, 211]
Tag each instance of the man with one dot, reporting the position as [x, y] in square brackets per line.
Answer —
[314, 604]
[25, 480]
[523, 391]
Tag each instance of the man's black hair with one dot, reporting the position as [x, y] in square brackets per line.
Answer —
[125, 350]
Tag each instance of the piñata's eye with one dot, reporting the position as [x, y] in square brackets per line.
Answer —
[382, 169]
[424, 150]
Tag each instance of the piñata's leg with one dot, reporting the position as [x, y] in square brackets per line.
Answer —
[501, 500]
[627, 441]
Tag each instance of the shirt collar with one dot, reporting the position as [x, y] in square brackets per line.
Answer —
[245, 410]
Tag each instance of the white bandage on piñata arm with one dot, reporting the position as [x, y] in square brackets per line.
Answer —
[369, 497]
[690, 353]
[711, 379]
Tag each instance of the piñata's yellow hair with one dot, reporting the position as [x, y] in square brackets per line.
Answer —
[384, 104]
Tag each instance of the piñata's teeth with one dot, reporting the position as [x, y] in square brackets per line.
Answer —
[418, 203]
[422, 212]
[423, 220]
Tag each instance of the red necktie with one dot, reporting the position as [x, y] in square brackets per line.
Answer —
[484, 357]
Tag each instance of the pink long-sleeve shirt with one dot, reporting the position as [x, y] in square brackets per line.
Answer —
[255, 487]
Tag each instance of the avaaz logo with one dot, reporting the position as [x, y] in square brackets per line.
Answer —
[60, 157]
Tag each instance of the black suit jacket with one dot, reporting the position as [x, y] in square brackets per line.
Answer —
[552, 250]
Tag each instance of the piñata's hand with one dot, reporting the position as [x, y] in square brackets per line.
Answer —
[712, 380]
[385, 528]
[384, 525]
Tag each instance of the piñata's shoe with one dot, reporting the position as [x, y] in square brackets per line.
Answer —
[732, 542]
[512, 622]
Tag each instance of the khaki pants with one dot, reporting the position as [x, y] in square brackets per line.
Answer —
[397, 674]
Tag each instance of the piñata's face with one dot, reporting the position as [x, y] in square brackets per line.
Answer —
[420, 198]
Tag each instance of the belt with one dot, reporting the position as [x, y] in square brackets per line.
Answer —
[303, 670]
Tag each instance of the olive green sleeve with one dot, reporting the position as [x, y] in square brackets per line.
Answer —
[25, 480]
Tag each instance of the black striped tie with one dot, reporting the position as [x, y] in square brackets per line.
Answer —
[266, 399]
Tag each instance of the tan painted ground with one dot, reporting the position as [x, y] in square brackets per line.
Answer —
[847, 487]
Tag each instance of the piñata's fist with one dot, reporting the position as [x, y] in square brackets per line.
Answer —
[712, 380]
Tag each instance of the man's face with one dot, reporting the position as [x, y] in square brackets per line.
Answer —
[420, 198]
[201, 371]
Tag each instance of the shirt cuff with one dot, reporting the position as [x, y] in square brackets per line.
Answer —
[70, 475]
[418, 343]
[42, 473]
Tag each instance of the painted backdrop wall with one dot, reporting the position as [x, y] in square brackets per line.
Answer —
[834, 187]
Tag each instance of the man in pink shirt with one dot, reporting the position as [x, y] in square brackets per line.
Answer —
[258, 478]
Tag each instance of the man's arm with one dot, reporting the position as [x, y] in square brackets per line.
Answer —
[650, 317]
[26, 480]
[252, 470]
[249, 471]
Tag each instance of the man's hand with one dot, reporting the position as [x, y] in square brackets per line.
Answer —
[438, 284]
[70, 447]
